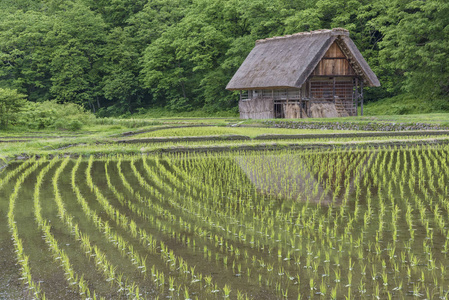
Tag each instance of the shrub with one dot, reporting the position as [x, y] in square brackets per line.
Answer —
[74, 125]
[405, 104]
[11, 103]
[67, 116]
[60, 124]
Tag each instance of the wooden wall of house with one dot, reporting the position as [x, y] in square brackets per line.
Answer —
[334, 62]
[323, 88]
[257, 108]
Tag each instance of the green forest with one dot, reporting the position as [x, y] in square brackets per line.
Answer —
[116, 57]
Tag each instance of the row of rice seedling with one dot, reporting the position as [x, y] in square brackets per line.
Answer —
[22, 258]
[112, 149]
[115, 240]
[382, 214]
[386, 191]
[270, 223]
[337, 224]
[124, 222]
[29, 234]
[219, 243]
[58, 254]
[163, 219]
[222, 130]
[174, 218]
[129, 225]
[264, 264]
[17, 170]
[103, 265]
[279, 251]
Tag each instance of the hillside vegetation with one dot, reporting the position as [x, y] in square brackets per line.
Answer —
[114, 57]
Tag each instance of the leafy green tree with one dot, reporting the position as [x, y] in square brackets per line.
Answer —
[24, 53]
[120, 55]
[303, 20]
[11, 102]
[120, 83]
[53, 53]
[155, 18]
[11, 6]
[416, 46]
[164, 73]
[264, 17]
[116, 12]
[77, 39]
[188, 65]
[214, 83]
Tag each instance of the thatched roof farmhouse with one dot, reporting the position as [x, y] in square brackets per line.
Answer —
[308, 74]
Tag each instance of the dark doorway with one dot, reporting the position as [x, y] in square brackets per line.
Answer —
[279, 111]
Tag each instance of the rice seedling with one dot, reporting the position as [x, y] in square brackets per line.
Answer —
[21, 257]
[379, 212]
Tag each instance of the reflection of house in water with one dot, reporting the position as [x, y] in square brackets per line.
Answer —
[288, 176]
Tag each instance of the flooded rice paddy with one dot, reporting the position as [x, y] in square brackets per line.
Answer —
[368, 223]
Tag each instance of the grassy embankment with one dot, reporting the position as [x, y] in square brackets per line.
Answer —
[101, 135]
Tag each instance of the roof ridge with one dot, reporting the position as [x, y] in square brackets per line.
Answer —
[333, 31]
[290, 60]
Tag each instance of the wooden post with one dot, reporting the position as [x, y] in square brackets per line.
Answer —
[361, 96]
[310, 89]
[240, 95]
[333, 90]
[310, 98]
[352, 97]
[356, 96]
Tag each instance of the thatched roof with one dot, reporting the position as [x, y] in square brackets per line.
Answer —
[288, 61]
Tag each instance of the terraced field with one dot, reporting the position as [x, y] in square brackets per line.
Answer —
[226, 130]
[287, 224]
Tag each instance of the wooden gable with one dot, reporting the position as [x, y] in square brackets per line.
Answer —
[334, 63]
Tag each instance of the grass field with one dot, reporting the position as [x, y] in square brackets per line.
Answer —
[213, 130]
[101, 136]
[87, 216]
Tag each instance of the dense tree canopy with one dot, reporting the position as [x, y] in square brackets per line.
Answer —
[117, 56]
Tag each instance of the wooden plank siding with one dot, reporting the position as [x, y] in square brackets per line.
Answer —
[334, 63]
[309, 74]
[328, 89]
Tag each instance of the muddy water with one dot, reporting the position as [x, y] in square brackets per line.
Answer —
[11, 286]
[238, 219]
[286, 176]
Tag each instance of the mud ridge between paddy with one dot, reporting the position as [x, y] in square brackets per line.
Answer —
[185, 139]
[281, 136]
[13, 141]
[317, 146]
[263, 147]
[23, 139]
[131, 133]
